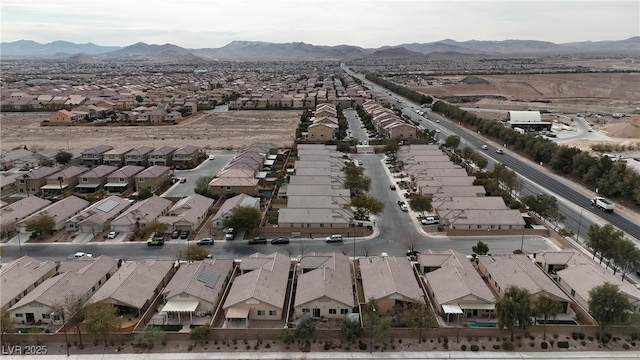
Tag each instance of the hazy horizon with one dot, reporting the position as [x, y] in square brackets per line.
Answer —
[370, 24]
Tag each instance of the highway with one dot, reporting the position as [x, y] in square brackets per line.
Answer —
[538, 177]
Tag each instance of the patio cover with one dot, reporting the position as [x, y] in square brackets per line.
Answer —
[452, 309]
[180, 306]
[53, 187]
[118, 184]
[480, 306]
[235, 313]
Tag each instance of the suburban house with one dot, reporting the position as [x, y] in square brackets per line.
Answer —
[135, 285]
[8, 184]
[325, 287]
[78, 278]
[138, 156]
[322, 132]
[30, 182]
[62, 181]
[578, 280]
[92, 180]
[60, 211]
[115, 156]
[390, 282]
[11, 214]
[400, 130]
[122, 179]
[454, 286]
[65, 116]
[95, 155]
[486, 220]
[503, 271]
[153, 177]
[188, 213]
[20, 276]
[260, 292]
[98, 216]
[315, 218]
[191, 107]
[234, 181]
[7, 159]
[228, 207]
[196, 287]
[553, 261]
[162, 156]
[141, 213]
[186, 157]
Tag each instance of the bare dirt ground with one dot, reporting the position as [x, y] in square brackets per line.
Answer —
[220, 130]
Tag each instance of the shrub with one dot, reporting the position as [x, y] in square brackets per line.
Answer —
[635, 336]
[590, 338]
[81, 346]
[327, 346]
[362, 346]
[563, 344]
[445, 346]
[519, 344]
[625, 346]
[606, 338]
[463, 347]
[574, 336]
[475, 347]
[507, 345]
[581, 336]
[633, 343]
[583, 343]
[445, 340]
[496, 346]
[532, 344]
[551, 342]
[399, 341]
[544, 345]
[268, 346]
[555, 336]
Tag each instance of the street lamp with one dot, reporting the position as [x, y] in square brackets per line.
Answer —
[66, 341]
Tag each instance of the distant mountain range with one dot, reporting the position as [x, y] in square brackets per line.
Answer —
[257, 50]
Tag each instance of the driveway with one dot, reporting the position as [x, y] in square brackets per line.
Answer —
[83, 238]
[206, 168]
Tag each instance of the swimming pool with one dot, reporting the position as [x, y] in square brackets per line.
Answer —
[481, 324]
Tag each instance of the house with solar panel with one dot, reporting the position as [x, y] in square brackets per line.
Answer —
[194, 292]
[97, 218]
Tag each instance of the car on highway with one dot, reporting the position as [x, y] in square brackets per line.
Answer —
[205, 241]
[499, 151]
[112, 235]
[484, 147]
[280, 240]
[438, 130]
[257, 241]
[337, 238]
[185, 235]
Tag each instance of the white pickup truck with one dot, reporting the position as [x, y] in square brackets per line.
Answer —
[602, 204]
[78, 255]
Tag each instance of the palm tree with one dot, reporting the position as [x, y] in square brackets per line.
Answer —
[25, 176]
[61, 181]
[513, 308]
[544, 306]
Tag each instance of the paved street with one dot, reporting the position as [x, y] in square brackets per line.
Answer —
[206, 168]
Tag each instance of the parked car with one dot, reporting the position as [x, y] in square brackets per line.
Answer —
[280, 240]
[112, 235]
[230, 234]
[392, 186]
[257, 240]
[400, 202]
[404, 207]
[79, 255]
[429, 220]
[334, 239]
[175, 234]
[185, 235]
[205, 241]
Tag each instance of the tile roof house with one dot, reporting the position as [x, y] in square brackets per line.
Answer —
[11, 214]
[30, 182]
[92, 180]
[152, 178]
[454, 285]
[186, 157]
[122, 179]
[554, 261]
[95, 155]
[322, 132]
[78, 277]
[260, 292]
[162, 156]
[389, 281]
[188, 213]
[325, 288]
[60, 182]
[98, 216]
[197, 287]
[21, 276]
[60, 211]
[502, 271]
[228, 207]
[578, 280]
[134, 286]
[7, 158]
[141, 213]
[138, 156]
[116, 156]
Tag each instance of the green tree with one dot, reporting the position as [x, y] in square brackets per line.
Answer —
[305, 330]
[378, 325]
[355, 179]
[244, 218]
[608, 305]
[196, 253]
[150, 337]
[366, 204]
[419, 317]
[480, 248]
[101, 318]
[102, 193]
[6, 326]
[41, 224]
[156, 227]
[63, 157]
[72, 310]
[144, 193]
[420, 203]
[391, 145]
[202, 187]
[350, 330]
[513, 308]
[139, 98]
[199, 333]
[452, 141]
[544, 306]
[625, 256]
[601, 239]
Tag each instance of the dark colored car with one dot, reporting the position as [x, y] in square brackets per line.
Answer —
[175, 234]
[413, 253]
[280, 240]
[205, 241]
[257, 240]
[184, 235]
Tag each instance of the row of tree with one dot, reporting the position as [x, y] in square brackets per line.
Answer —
[613, 179]
[619, 252]
[400, 90]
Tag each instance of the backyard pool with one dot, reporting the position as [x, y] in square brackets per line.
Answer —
[481, 324]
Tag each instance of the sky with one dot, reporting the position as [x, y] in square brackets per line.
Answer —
[365, 23]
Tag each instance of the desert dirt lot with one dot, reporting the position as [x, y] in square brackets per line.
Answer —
[219, 130]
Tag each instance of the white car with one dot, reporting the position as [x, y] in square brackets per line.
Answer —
[404, 207]
[212, 157]
[81, 254]
[484, 147]
[112, 235]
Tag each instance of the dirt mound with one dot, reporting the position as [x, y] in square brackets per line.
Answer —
[474, 80]
[628, 129]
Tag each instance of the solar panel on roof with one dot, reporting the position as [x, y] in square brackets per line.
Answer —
[107, 206]
[209, 278]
